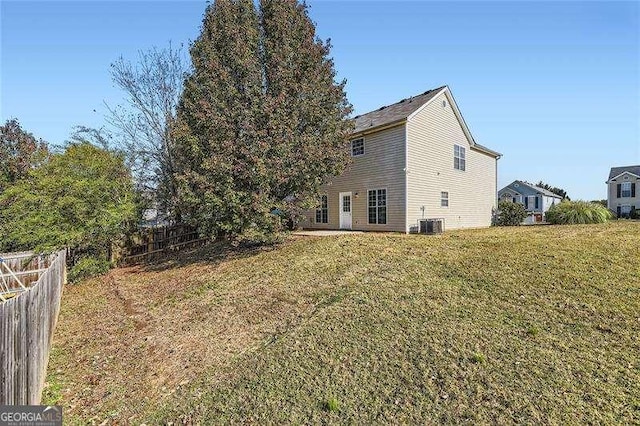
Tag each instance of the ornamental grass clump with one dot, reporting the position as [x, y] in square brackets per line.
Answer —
[578, 212]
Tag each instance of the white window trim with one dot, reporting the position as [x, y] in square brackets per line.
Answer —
[622, 190]
[364, 149]
[442, 198]
[463, 157]
[386, 191]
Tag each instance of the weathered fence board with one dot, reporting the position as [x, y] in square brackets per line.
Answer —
[153, 241]
[27, 322]
[24, 266]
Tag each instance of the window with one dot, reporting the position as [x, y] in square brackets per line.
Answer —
[530, 201]
[626, 189]
[459, 162]
[322, 212]
[346, 203]
[444, 199]
[625, 210]
[378, 206]
[357, 147]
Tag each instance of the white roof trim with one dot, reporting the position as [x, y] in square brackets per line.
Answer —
[414, 113]
[532, 187]
[456, 111]
[550, 195]
[625, 172]
[509, 190]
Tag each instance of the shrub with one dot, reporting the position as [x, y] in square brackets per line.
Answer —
[577, 212]
[509, 214]
[88, 267]
[635, 214]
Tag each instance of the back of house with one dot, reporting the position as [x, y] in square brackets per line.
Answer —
[412, 160]
[622, 196]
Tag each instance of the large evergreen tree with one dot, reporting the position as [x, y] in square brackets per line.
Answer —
[261, 123]
[306, 109]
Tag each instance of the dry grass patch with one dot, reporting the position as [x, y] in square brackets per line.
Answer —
[526, 325]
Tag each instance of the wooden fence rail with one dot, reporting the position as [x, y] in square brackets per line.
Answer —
[149, 242]
[27, 322]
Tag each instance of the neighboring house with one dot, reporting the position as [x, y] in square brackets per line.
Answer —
[536, 200]
[622, 197]
[412, 160]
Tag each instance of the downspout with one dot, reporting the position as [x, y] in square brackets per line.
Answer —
[496, 187]
[406, 177]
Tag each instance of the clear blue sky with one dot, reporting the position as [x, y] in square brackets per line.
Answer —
[554, 86]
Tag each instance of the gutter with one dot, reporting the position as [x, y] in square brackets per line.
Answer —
[379, 128]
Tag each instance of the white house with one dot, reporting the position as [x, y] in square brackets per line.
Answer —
[622, 196]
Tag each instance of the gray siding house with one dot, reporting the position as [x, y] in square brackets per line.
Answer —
[536, 200]
[622, 196]
[415, 159]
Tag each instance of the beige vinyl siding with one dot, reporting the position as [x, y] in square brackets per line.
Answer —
[381, 167]
[432, 134]
[613, 199]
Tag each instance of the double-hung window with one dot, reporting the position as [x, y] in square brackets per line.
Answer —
[378, 206]
[322, 212]
[459, 158]
[625, 191]
[444, 199]
[357, 147]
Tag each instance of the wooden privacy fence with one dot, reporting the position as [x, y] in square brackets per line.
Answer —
[148, 242]
[19, 270]
[27, 321]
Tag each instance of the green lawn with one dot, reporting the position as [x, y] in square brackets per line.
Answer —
[501, 325]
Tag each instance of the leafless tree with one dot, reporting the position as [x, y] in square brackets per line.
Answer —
[153, 86]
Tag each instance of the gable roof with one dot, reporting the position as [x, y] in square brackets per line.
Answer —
[544, 191]
[531, 186]
[405, 109]
[395, 112]
[617, 171]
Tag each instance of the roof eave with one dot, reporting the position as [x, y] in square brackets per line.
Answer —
[379, 128]
[472, 142]
[620, 174]
[496, 154]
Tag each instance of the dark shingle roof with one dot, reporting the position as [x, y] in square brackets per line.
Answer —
[616, 171]
[395, 112]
